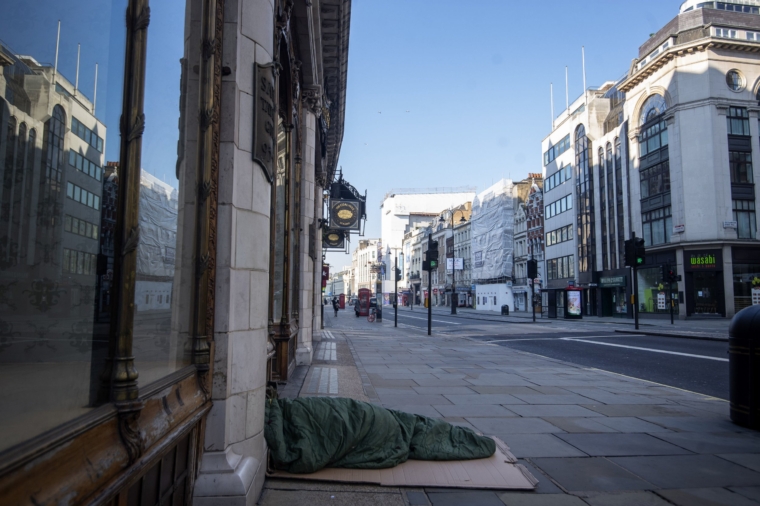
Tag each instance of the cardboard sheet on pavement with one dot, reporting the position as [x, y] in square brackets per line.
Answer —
[500, 471]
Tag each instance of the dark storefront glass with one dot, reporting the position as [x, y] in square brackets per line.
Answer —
[704, 282]
[55, 138]
[746, 271]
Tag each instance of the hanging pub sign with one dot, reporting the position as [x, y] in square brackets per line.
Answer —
[345, 214]
[325, 274]
[333, 239]
[264, 117]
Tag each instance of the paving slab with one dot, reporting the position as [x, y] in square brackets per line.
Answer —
[508, 426]
[318, 498]
[689, 471]
[483, 399]
[399, 399]
[630, 424]
[545, 484]
[748, 460]
[459, 498]
[706, 497]
[475, 410]
[527, 499]
[439, 382]
[539, 445]
[569, 410]
[722, 442]
[423, 409]
[502, 390]
[627, 499]
[417, 498]
[614, 445]
[568, 398]
[579, 424]
[590, 474]
[444, 390]
[639, 410]
[748, 492]
[695, 424]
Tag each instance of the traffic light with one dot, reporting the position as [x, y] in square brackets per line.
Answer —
[532, 269]
[672, 275]
[433, 264]
[398, 274]
[426, 265]
[641, 251]
[635, 252]
[432, 250]
[663, 273]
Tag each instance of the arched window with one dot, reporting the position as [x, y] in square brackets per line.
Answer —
[610, 197]
[10, 149]
[49, 207]
[603, 208]
[653, 107]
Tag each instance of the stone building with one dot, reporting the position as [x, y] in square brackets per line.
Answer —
[248, 106]
[665, 153]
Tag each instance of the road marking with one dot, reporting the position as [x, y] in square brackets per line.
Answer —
[583, 340]
[439, 321]
[552, 338]
[326, 334]
[327, 351]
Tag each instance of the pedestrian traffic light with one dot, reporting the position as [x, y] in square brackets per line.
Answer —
[398, 274]
[630, 254]
[433, 264]
[426, 265]
[532, 269]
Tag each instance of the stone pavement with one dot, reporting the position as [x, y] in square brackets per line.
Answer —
[590, 437]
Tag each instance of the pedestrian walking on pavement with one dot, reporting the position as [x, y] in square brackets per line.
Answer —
[336, 306]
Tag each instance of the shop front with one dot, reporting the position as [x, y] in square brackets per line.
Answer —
[746, 277]
[613, 290]
[703, 271]
[521, 298]
[653, 292]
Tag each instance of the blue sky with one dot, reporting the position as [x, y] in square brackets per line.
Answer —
[440, 93]
[475, 79]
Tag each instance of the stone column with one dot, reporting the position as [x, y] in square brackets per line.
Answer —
[304, 351]
[234, 454]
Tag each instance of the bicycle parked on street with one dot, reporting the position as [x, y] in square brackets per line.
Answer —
[372, 314]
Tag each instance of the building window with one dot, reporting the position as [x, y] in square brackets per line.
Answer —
[584, 188]
[734, 80]
[560, 268]
[653, 138]
[85, 166]
[603, 208]
[80, 227]
[745, 218]
[559, 177]
[611, 208]
[560, 235]
[78, 262]
[657, 225]
[655, 180]
[725, 33]
[556, 150]
[87, 135]
[753, 36]
[738, 121]
[82, 196]
[559, 206]
[740, 164]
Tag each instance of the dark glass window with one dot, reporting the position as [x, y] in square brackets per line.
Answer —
[560, 268]
[740, 164]
[584, 189]
[657, 225]
[738, 121]
[619, 200]
[611, 207]
[655, 180]
[745, 218]
[603, 209]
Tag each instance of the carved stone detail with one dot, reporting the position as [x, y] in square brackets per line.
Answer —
[129, 431]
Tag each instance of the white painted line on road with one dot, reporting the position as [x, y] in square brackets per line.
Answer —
[553, 338]
[326, 334]
[583, 340]
[439, 321]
